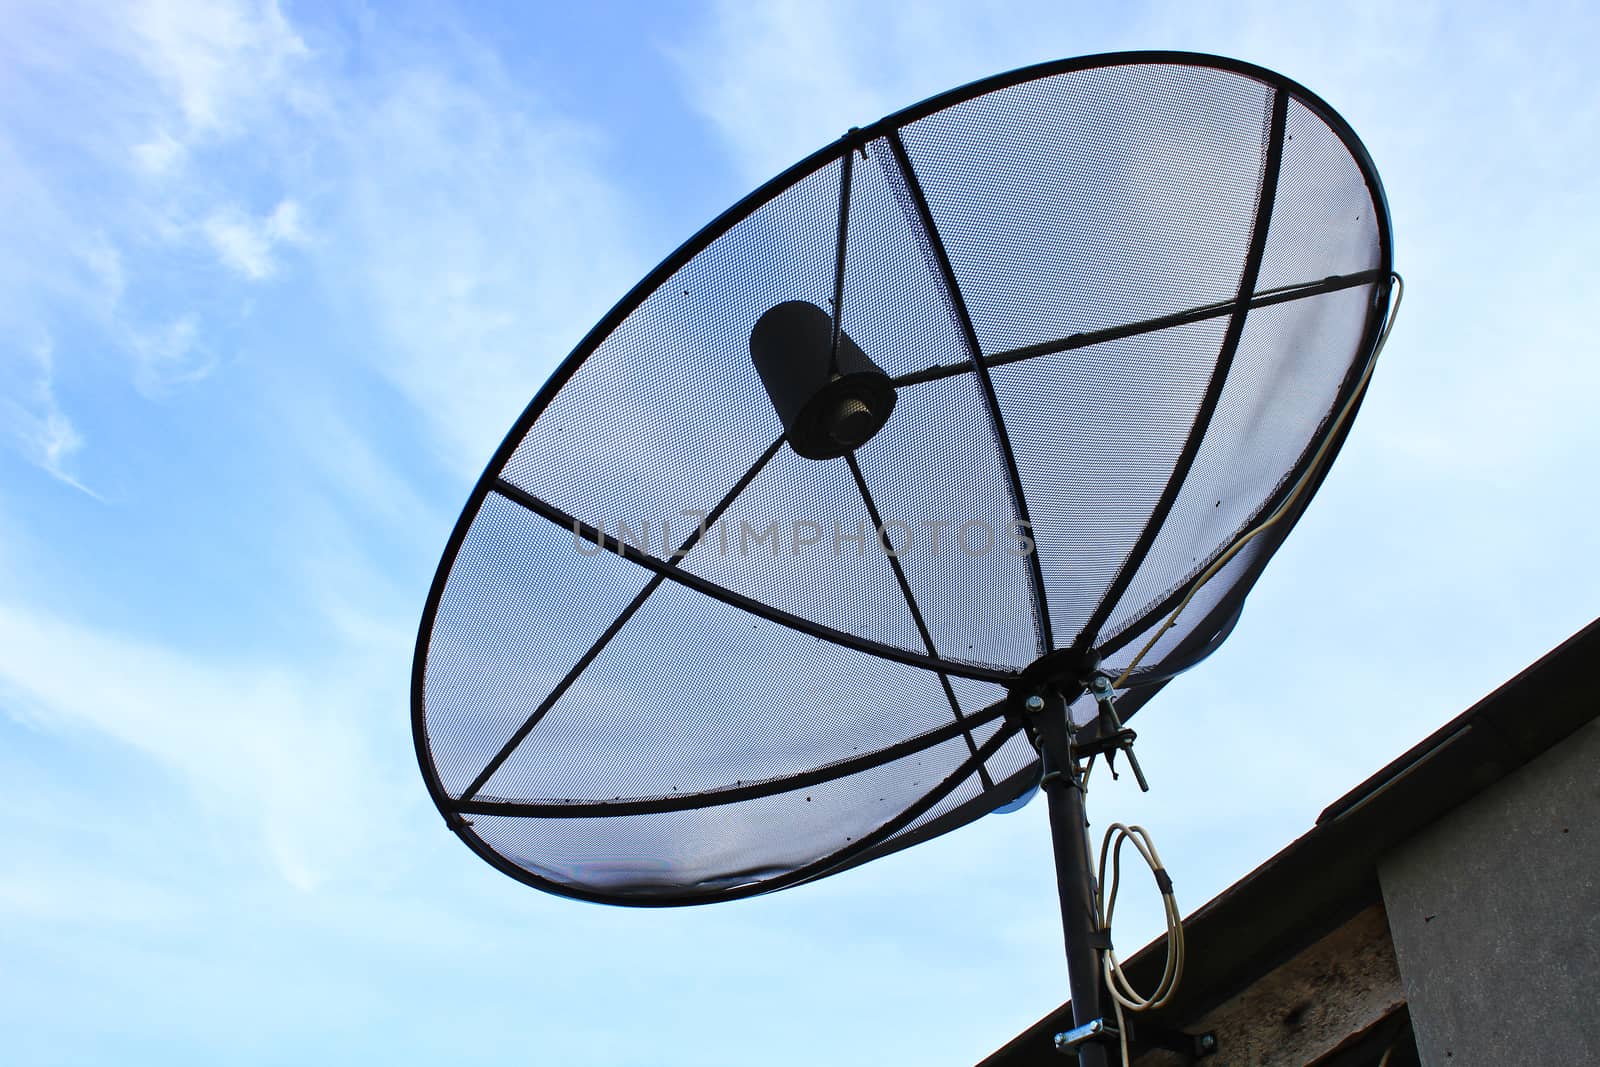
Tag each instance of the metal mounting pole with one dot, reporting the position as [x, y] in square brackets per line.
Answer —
[1069, 833]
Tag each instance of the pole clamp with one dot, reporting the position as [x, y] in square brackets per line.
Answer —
[1093, 1030]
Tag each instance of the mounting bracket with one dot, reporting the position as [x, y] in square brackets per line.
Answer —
[1106, 735]
[1149, 1035]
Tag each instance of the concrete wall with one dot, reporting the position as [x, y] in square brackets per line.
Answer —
[1495, 915]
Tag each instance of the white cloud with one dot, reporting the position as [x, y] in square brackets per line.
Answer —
[246, 245]
[160, 155]
[101, 217]
[217, 61]
[470, 222]
[67, 892]
[483, 237]
[37, 423]
[779, 80]
[470, 225]
[279, 751]
[169, 356]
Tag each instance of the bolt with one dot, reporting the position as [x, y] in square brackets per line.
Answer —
[1208, 1043]
[1034, 703]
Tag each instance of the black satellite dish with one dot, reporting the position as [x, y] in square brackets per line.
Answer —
[800, 557]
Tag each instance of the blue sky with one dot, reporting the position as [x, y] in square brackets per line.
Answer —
[275, 281]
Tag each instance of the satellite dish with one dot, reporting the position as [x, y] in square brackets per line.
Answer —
[933, 430]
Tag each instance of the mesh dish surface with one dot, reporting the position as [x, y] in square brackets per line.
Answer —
[665, 660]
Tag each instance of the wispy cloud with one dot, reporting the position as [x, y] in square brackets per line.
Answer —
[474, 224]
[220, 63]
[103, 208]
[779, 80]
[246, 244]
[272, 748]
[743, 76]
[459, 227]
[169, 355]
[485, 255]
[36, 422]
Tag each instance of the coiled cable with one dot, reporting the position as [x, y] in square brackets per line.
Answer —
[1123, 995]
